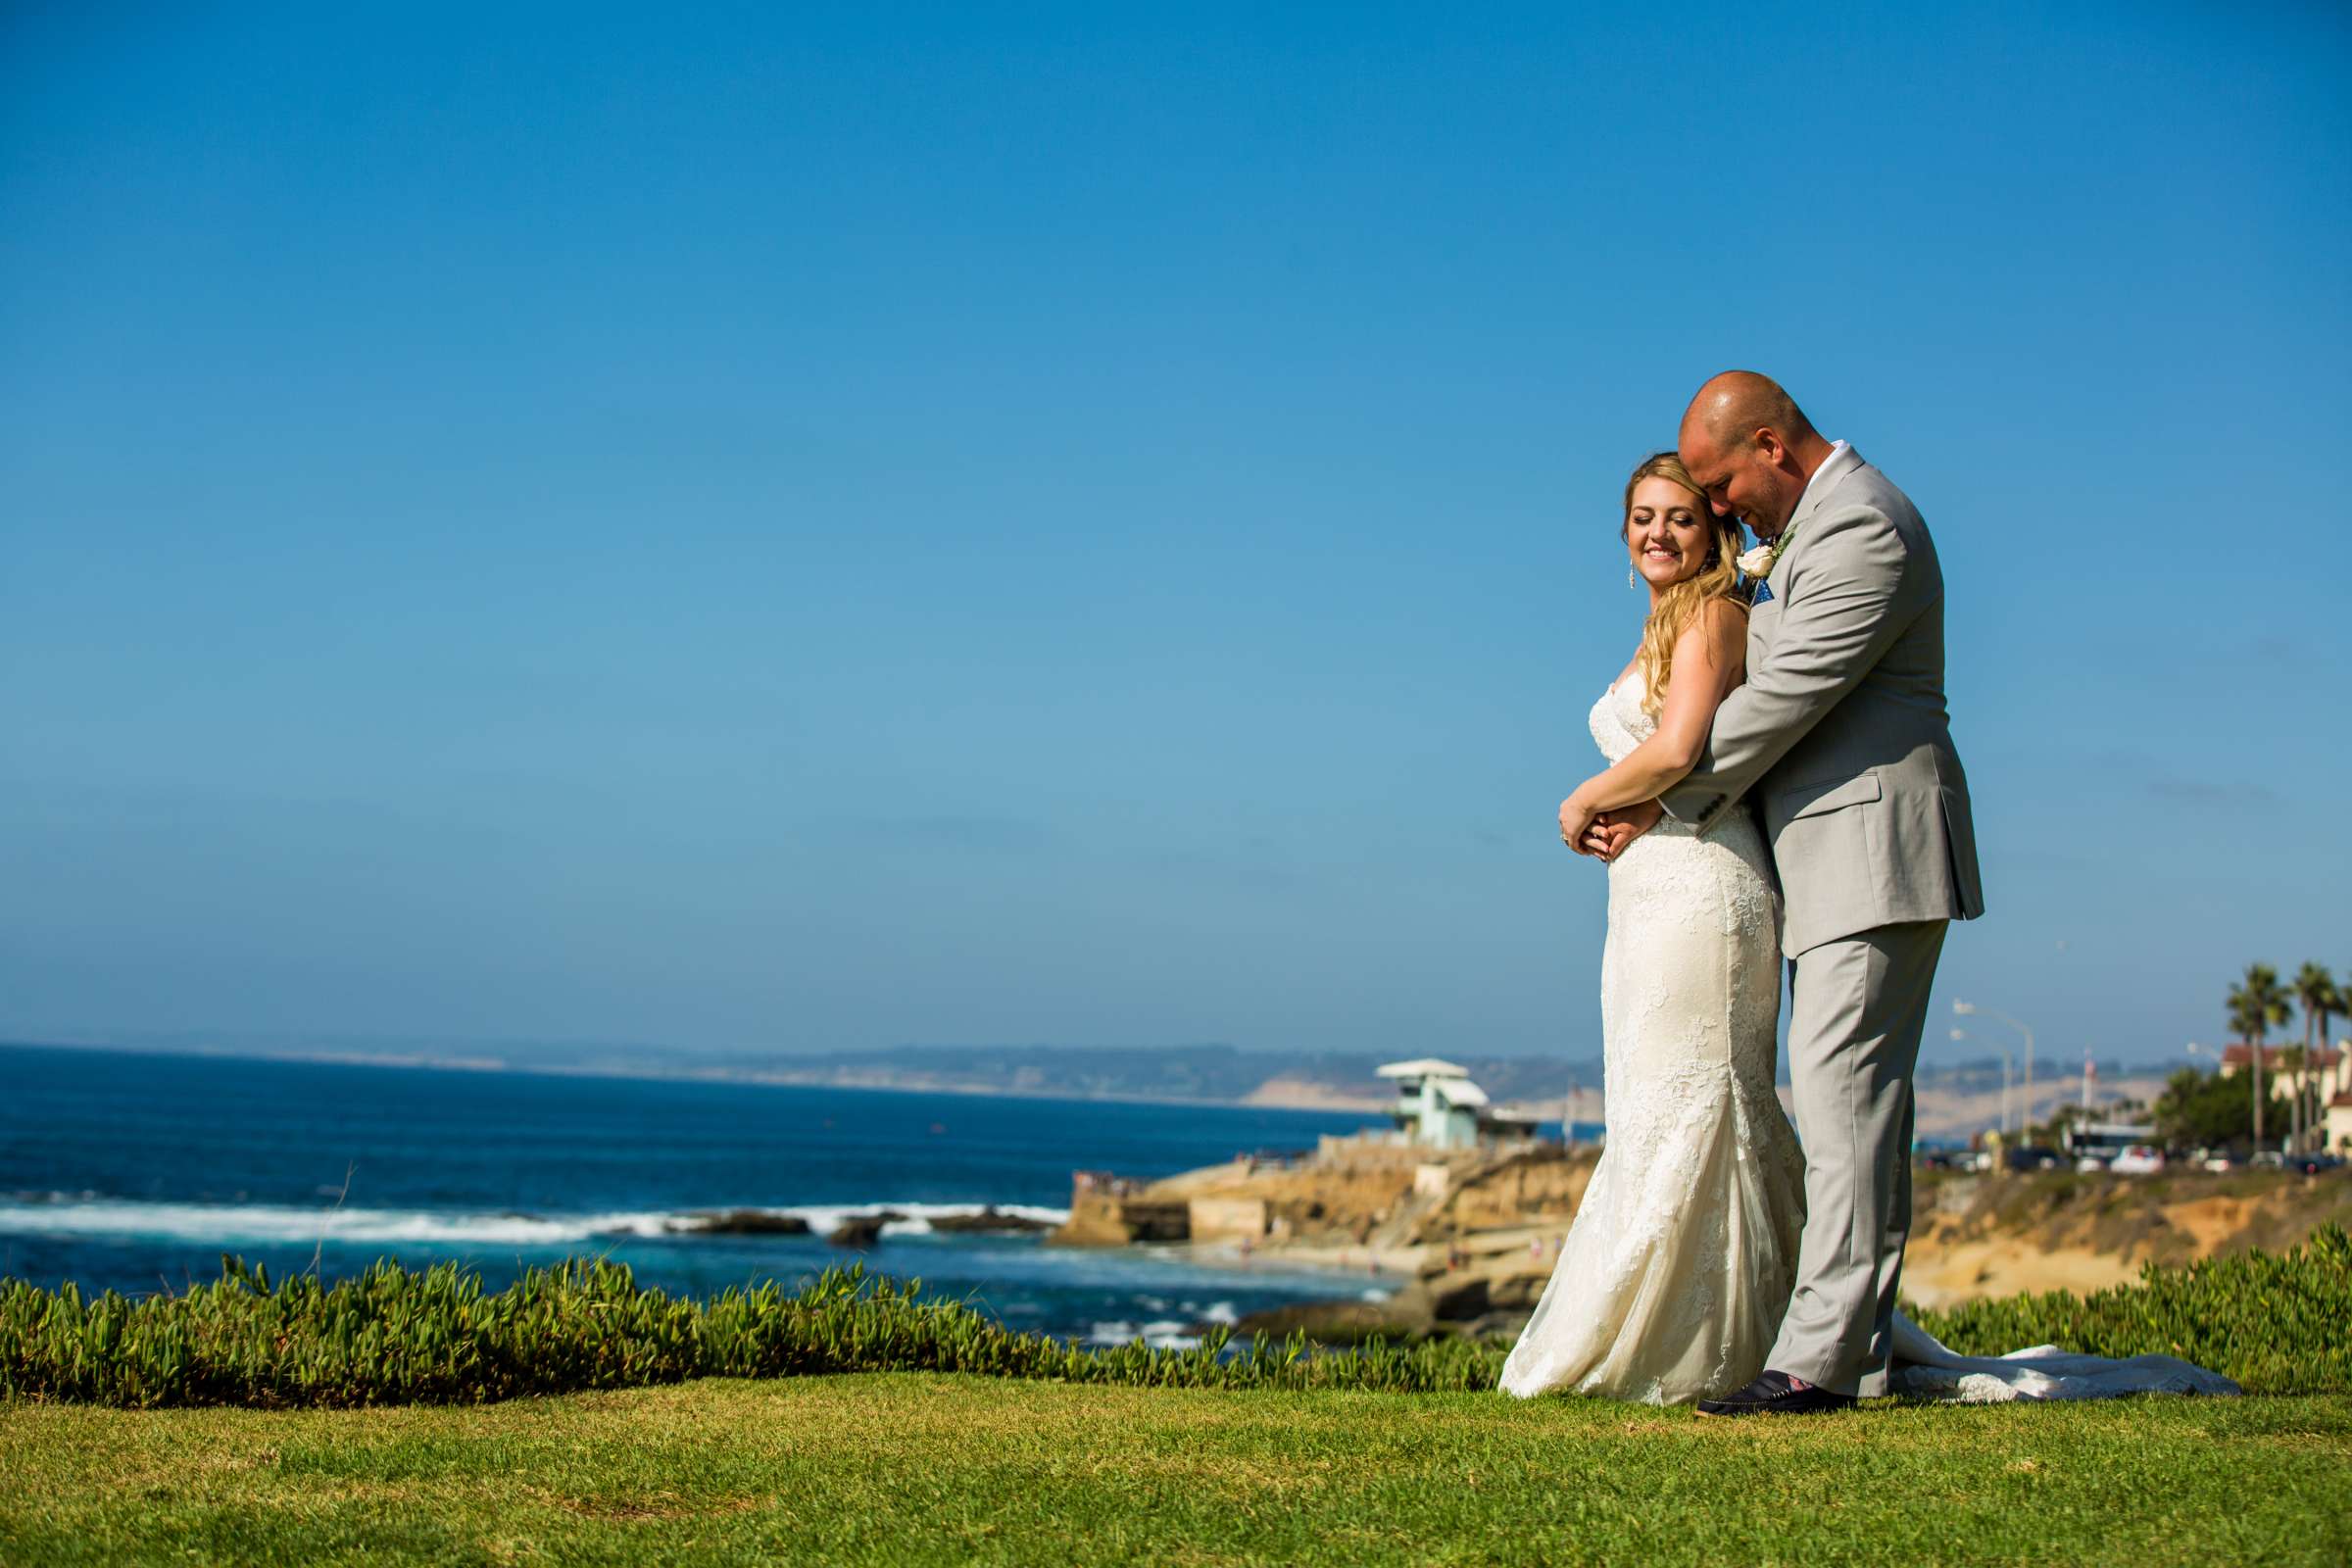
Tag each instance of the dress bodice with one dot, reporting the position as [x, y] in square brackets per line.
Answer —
[1618, 722]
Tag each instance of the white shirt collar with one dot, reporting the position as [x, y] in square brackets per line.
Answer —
[1836, 446]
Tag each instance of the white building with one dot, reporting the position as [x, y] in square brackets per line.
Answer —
[2331, 1066]
[1440, 1107]
[2336, 1130]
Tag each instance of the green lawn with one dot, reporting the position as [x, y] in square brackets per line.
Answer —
[924, 1467]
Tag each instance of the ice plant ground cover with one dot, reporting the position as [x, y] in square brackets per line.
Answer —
[911, 1468]
[392, 1335]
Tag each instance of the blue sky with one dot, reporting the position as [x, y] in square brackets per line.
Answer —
[806, 528]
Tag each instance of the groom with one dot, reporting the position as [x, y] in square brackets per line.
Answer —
[1841, 735]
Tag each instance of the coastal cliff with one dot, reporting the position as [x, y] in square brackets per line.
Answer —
[1471, 1233]
[1474, 1234]
[1366, 1194]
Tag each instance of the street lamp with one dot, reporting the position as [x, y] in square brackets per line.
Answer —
[1967, 1009]
[2007, 1061]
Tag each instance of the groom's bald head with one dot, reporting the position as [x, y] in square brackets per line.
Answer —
[1750, 447]
[1734, 406]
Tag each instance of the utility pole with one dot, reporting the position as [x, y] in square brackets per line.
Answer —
[2008, 1065]
[1968, 1008]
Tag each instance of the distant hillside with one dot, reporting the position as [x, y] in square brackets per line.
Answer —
[1216, 1073]
[1222, 1072]
[1210, 1072]
[1955, 1099]
[1983, 1073]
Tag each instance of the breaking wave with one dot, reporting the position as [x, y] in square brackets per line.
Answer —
[91, 1216]
[1162, 1334]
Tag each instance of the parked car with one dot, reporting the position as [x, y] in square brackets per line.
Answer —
[2140, 1159]
[2034, 1157]
[2314, 1163]
[2220, 1161]
[2090, 1163]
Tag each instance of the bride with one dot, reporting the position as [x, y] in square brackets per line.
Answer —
[1673, 1279]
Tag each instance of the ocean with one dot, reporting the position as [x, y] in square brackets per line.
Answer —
[136, 1172]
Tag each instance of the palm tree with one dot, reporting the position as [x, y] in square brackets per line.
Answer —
[2323, 998]
[2257, 1005]
[2295, 1059]
[2316, 990]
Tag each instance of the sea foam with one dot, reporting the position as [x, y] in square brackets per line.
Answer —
[87, 1215]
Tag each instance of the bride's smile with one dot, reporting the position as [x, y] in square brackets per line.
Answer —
[1666, 534]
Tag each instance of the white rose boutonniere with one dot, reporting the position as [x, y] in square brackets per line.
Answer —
[1757, 564]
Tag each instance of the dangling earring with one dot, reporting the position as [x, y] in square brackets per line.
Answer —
[1633, 579]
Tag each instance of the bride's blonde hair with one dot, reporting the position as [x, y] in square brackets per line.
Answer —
[1680, 605]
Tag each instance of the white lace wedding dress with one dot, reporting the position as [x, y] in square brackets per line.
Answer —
[1673, 1278]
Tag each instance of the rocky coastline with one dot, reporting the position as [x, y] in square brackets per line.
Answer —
[1469, 1238]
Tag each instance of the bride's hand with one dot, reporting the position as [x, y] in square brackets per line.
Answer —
[1576, 823]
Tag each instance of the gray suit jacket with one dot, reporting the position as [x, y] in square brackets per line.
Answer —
[1841, 729]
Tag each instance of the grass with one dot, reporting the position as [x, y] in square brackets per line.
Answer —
[410, 1416]
[911, 1468]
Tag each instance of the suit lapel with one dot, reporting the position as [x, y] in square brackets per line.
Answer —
[1765, 619]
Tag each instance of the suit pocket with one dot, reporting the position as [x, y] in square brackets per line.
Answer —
[1829, 795]
[1829, 843]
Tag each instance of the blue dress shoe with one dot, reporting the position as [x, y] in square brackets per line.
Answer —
[1777, 1394]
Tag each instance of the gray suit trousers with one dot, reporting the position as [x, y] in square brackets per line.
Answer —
[1859, 1006]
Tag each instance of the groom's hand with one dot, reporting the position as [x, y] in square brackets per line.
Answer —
[1612, 831]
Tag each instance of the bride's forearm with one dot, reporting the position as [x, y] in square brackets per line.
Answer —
[1707, 665]
[1646, 771]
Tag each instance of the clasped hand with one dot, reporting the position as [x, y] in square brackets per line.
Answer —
[1606, 834]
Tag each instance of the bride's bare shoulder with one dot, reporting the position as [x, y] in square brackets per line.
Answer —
[1726, 611]
[1720, 627]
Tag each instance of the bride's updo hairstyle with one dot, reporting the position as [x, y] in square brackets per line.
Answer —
[1679, 606]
